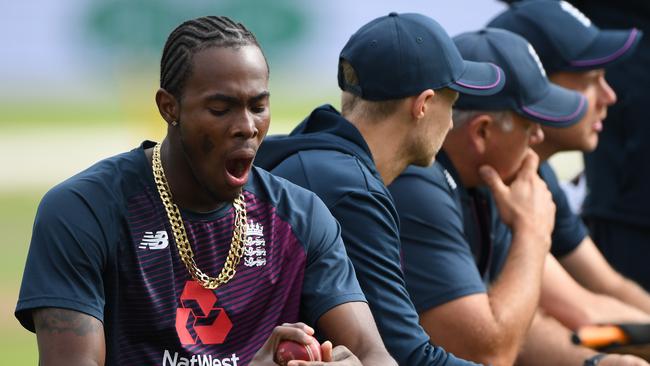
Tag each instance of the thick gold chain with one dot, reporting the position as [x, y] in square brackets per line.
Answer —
[180, 235]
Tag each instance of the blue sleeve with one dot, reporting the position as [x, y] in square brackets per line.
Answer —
[66, 258]
[329, 276]
[438, 263]
[569, 231]
[372, 241]
[501, 240]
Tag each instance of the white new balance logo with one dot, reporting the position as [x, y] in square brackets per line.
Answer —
[153, 241]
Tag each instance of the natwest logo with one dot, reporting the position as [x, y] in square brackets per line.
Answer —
[198, 319]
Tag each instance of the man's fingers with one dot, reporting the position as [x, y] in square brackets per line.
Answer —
[292, 332]
[340, 353]
[530, 163]
[305, 328]
[297, 332]
[493, 181]
[326, 351]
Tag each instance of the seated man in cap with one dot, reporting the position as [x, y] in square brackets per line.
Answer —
[575, 53]
[400, 75]
[617, 207]
[474, 261]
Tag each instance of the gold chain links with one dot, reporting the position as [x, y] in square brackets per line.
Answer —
[180, 235]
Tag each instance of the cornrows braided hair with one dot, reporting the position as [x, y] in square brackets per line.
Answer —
[193, 36]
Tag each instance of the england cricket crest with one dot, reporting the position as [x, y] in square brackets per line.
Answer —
[255, 246]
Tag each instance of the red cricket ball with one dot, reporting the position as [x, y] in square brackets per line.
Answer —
[290, 350]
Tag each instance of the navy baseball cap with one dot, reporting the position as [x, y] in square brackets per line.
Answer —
[527, 90]
[565, 39]
[401, 55]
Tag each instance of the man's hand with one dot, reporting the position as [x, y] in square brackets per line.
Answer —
[604, 309]
[526, 204]
[622, 360]
[339, 356]
[300, 332]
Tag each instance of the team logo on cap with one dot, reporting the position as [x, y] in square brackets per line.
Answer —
[576, 13]
[533, 54]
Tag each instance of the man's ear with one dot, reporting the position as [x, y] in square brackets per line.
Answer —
[167, 106]
[480, 131]
[419, 105]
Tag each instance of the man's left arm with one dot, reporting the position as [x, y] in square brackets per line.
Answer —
[575, 306]
[351, 324]
[588, 266]
[546, 334]
[579, 256]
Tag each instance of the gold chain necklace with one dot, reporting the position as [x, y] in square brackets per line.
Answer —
[180, 235]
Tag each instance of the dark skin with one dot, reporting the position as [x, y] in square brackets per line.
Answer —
[222, 117]
[67, 337]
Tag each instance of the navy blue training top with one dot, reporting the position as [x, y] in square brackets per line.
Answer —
[453, 241]
[328, 155]
[102, 245]
[569, 231]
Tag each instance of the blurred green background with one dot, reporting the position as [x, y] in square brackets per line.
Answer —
[77, 84]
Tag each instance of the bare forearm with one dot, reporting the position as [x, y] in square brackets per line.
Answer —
[630, 293]
[377, 358]
[607, 309]
[574, 306]
[492, 331]
[564, 299]
[352, 325]
[546, 334]
[489, 328]
[588, 266]
[372, 353]
[548, 343]
[515, 295]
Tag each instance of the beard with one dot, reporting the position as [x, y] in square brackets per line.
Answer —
[423, 150]
[202, 178]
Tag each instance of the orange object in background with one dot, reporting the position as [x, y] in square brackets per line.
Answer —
[633, 339]
[597, 336]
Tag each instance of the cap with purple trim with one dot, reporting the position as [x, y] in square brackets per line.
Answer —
[565, 39]
[401, 55]
[527, 91]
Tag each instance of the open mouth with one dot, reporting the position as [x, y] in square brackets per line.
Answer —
[237, 170]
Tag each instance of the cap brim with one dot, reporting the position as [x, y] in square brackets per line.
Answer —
[608, 47]
[479, 78]
[559, 108]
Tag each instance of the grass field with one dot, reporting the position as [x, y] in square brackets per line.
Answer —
[17, 209]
